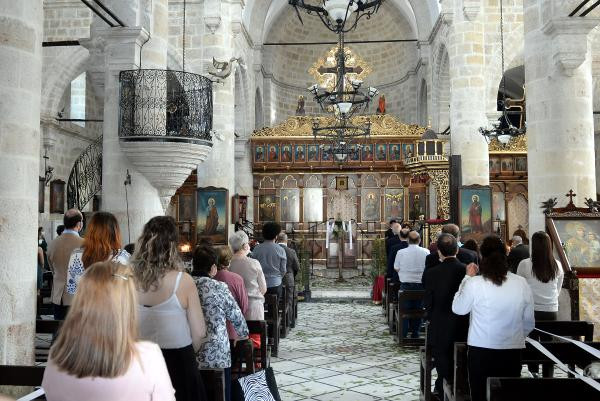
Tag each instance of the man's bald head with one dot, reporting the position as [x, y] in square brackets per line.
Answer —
[72, 218]
[404, 234]
[414, 238]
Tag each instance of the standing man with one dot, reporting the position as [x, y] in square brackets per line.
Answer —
[464, 255]
[292, 268]
[441, 283]
[392, 239]
[410, 263]
[518, 252]
[59, 253]
[393, 251]
[272, 258]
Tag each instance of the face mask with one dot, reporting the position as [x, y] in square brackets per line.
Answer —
[40, 242]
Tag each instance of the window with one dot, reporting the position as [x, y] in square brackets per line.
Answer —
[78, 99]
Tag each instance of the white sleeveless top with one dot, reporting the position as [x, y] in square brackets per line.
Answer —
[166, 323]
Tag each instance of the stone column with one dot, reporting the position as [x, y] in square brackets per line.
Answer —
[467, 89]
[219, 169]
[560, 125]
[122, 52]
[20, 85]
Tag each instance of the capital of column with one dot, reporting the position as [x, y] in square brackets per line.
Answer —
[569, 40]
[123, 46]
[471, 9]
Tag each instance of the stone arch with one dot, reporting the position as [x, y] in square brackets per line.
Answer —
[258, 111]
[66, 65]
[441, 92]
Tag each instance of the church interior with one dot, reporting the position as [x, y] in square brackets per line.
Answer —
[351, 126]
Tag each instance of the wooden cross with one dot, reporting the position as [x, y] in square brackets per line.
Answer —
[571, 195]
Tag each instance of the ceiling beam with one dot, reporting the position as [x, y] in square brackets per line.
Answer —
[355, 42]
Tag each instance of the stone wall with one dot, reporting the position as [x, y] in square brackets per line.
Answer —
[393, 64]
[66, 20]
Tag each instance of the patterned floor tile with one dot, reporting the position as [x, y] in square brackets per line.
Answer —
[310, 389]
[345, 381]
[346, 395]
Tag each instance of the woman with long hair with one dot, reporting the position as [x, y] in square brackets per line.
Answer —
[501, 308]
[544, 274]
[218, 306]
[169, 306]
[102, 242]
[97, 355]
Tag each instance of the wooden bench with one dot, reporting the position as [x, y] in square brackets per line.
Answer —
[401, 312]
[17, 376]
[547, 389]
[50, 327]
[391, 303]
[284, 328]
[294, 308]
[264, 355]
[384, 293]
[242, 358]
[425, 368]
[273, 319]
[566, 352]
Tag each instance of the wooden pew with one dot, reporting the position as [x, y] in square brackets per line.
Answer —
[384, 293]
[273, 319]
[45, 327]
[566, 352]
[391, 303]
[547, 389]
[264, 355]
[294, 308]
[284, 313]
[401, 313]
[425, 368]
[242, 353]
[26, 376]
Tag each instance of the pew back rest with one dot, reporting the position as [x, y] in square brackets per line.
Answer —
[260, 327]
[47, 326]
[410, 295]
[21, 375]
[461, 375]
[567, 328]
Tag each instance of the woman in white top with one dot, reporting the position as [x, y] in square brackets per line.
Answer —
[544, 274]
[501, 308]
[97, 355]
[170, 313]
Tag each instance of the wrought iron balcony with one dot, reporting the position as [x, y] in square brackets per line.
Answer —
[85, 179]
[165, 125]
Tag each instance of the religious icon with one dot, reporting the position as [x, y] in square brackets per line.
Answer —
[267, 207]
[286, 153]
[313, 204]
[394, 204]
[300, 108]
[581, 241]
[313, 153]
[290, 205]
[341, 183]
[299, 154]
[259, 154]
[381, 105]
[498, 206]
[370, 204]
[273, 153]
[367, 153]
[408, 150]
[395, 152]
[475, 211]
[381, 152]
[494, 164]
[507, 165]
[354, 154]
[211, 218]
[239, 208]
[186, 207]
[521, 164]
[57, 196]
[416, 203]
[327, 153]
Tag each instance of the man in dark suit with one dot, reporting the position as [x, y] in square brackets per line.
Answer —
[441, 283]
[392, 239]
[465, 256]
[292, 268]
[390, 232]
[518, 252]
[391, 255]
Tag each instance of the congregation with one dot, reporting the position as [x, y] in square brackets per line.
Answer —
[476, 296]
[138, 325]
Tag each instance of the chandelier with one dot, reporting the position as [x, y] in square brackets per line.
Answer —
[337, 14]
[347, 98]
[503, 130]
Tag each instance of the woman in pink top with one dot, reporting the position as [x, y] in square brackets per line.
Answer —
[97, 356]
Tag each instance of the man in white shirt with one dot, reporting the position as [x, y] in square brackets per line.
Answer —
[410, 263]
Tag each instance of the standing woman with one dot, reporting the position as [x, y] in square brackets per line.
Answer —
[169, 308]
[102, 242]
[544, 274]
[251, 272]
[501, 308]
[97, 355]
[218, 306]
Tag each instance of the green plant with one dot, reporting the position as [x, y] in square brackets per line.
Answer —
[378, 258]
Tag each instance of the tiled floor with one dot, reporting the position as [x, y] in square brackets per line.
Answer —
[343, 351]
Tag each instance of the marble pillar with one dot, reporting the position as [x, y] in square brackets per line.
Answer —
[467, 88]
[560, 125]
[142, 203]
[20, 84]
[219, 169]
